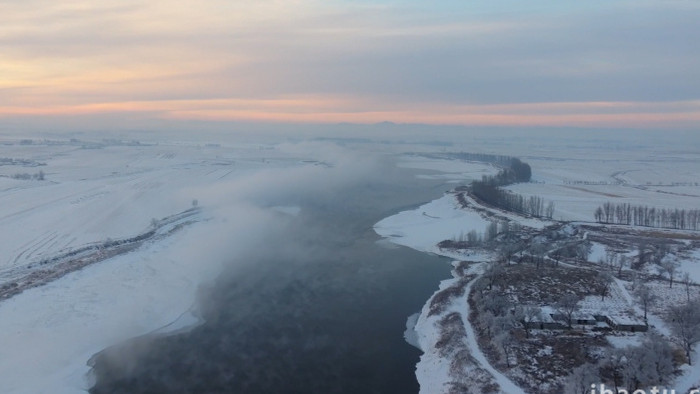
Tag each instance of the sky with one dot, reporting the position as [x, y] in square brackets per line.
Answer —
[600, 64]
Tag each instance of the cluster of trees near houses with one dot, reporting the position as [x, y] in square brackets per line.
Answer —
[639, 215]
[654, 362]
[488, 190]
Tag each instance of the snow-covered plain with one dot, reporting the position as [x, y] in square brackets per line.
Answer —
[579, 183]
[88, 196]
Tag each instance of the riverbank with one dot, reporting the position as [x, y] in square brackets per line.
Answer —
[451, 358]
[49, 332]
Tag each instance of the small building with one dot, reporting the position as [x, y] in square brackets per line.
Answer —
[626, 323]
[550, 319]
[578, 318]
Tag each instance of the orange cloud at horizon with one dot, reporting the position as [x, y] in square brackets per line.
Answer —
[320, 109]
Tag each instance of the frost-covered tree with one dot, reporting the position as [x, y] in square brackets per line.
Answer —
[685, 326]
[581, 379]
[647, 365]
[615, 361]
[494, 274]
[655, 359]
[496, 304]
[645, 297]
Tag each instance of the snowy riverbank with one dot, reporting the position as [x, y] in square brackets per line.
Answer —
[50, 332]
[422, 229]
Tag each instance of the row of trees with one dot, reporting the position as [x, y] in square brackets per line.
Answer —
[39, 176]
[474, 238]
[639, 215]
[514, 170]
[490, 193]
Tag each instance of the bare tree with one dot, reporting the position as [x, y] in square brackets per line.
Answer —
[567, 306]
[549, 213]
[642, 256]
[687, 283]
[669, 268]
[487, 323]
[603, 282]
[660, 252]
[528, 315]
[502, 327]
[621, 263]
[685, 326]
[537, 252]
[645, 297]
[583, 250]
[505, 342]
[611, 258]
[473, 237]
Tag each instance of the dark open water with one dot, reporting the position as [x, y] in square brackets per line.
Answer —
[328, 319]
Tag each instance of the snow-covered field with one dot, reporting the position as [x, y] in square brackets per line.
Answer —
[579, 184]
[88, 196]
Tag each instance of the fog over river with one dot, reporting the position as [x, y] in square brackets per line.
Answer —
[318, 304]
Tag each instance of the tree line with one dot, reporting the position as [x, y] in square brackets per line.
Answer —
[639, 215]
[509, 201]
[488, 190]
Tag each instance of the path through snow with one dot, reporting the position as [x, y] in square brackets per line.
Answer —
[506, 384]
